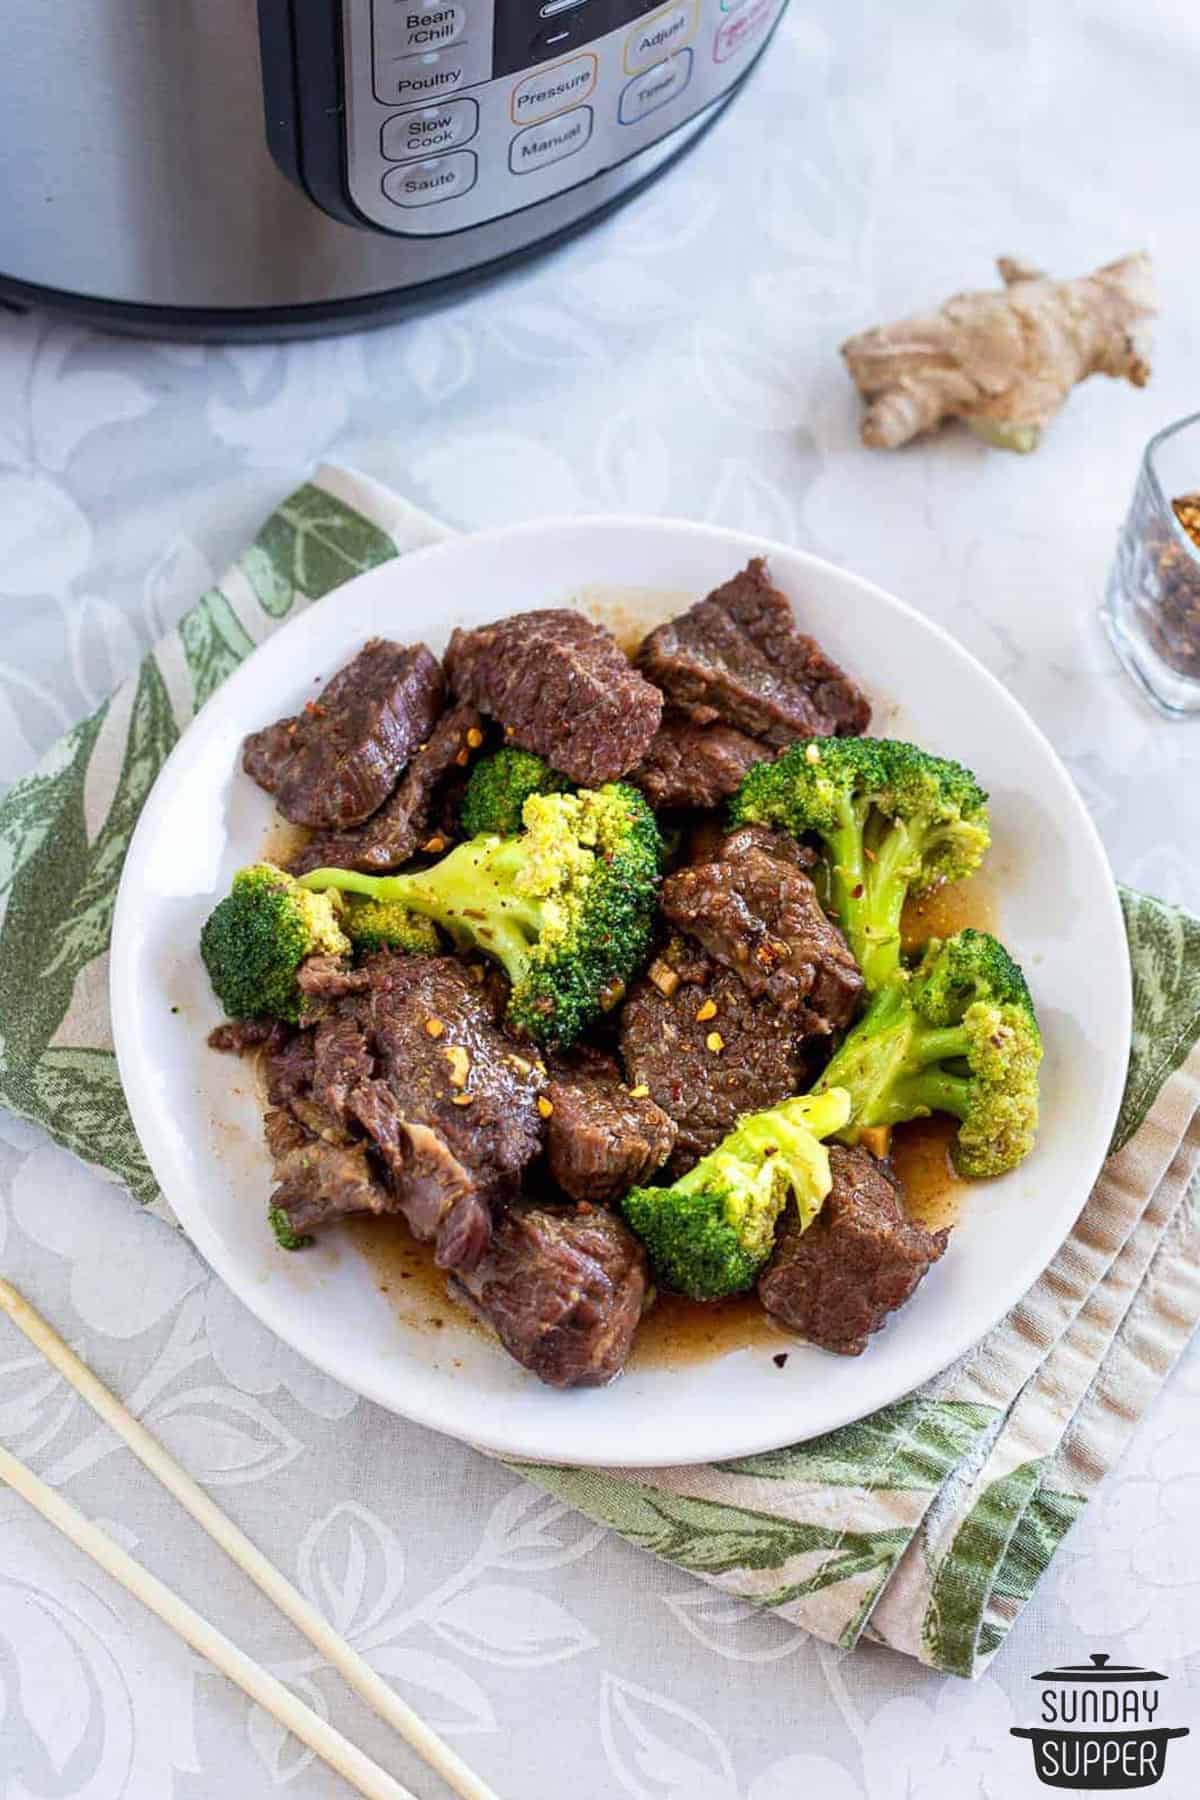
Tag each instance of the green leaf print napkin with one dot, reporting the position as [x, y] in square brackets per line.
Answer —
[925, 1526]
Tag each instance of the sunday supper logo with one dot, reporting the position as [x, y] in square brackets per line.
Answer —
[1099, 1726]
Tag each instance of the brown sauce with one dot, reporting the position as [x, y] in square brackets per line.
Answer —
[678, 1333]
[283, 840]
[406, 1272]
[630, 612]
[675, 1332]
[948, 909]
[933, 1192]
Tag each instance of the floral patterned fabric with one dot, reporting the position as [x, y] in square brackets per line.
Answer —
[681, 359]
[925, 1526]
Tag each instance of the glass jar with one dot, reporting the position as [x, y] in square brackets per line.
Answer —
[1152, 607]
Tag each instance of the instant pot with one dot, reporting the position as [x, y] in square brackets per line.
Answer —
[211, 168]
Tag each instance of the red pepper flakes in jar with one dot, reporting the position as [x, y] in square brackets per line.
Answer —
[1174, 624]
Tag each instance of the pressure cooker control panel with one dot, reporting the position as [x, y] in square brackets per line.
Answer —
[460, 111]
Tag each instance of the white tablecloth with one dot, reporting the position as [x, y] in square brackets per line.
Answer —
[680, 359]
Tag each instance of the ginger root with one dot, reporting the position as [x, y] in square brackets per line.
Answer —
[1004, 360]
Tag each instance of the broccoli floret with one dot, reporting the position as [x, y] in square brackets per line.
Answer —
[957, 1035]
[566, 906]
[255, 940]
[710, 1233]
[387, 925]
[894, 820]
[285, 1237]
[500, 785]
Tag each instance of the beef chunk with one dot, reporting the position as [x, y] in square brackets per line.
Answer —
[402, 824]
[779, 844]
[266, 753]
[324, 1173]
[439, 1194]
[708, 841]
[321, 1183]
[433, 1113]
[348, 750]
[759, 914]
[245, 1037]
[601, 1140]
[561, 686]
[694, 765]
[292, 1087]
[665, 1048]
[283, 1132]
[858, 1261]
[453, 1115]
[563, 1288]
[738, 657]
[290, 1069]
[342, 1061]
[328, 978]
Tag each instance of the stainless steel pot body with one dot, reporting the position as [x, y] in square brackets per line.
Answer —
[136, 182]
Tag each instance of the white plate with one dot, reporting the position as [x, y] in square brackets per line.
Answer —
[200, 1123]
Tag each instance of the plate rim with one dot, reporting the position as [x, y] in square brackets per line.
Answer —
[341, 1367]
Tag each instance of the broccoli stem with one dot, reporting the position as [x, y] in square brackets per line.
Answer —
[870, 882]
[468, 892]
[347, 881]
[936, 1044]
[874, 1060]
[848, 869]
[888, 870]
[891, 1065]
[932, 1090]
[868, 888]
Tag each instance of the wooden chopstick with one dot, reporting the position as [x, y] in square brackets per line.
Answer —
[338, 1752]
[358, 1673]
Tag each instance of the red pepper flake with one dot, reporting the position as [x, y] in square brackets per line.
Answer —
[314, 708]
[857, 891]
